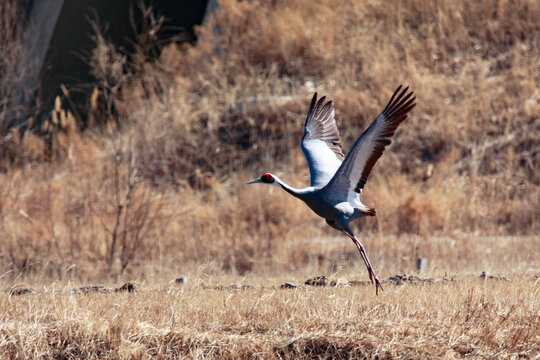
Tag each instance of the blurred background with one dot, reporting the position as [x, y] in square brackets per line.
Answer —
[129, 128]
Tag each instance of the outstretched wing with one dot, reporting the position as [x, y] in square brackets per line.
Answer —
[321, 142]
[352, 175]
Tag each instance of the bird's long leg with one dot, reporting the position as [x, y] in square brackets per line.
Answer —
[372, 275]
[363, 254]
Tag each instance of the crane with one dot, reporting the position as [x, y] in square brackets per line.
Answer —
[337, 181]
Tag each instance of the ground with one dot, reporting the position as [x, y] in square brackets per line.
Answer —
[218, 315]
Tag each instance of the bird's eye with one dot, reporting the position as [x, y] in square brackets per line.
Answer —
[267, 178]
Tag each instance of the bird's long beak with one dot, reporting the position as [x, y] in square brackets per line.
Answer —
[257, 180]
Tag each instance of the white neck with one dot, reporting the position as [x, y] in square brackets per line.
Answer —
[299, 193]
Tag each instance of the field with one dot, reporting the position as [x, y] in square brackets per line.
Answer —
[448, 312]
[463, 317]
[145, 184]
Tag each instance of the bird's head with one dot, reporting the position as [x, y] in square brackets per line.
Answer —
[265, 179]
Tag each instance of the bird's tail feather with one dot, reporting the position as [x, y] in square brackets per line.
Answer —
[370, 212]
[366, 211]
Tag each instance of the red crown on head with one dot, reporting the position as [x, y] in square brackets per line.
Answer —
[267, 178]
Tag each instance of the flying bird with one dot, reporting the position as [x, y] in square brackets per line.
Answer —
[338, 180]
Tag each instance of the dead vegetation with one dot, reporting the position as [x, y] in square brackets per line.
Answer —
[160, 172]
[468, 318]
[152, 189]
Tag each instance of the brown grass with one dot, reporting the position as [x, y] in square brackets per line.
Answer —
[154, 189]
[180, 136]
[467, 318]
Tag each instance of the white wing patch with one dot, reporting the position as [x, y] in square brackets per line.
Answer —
[322, 161]
[321, 142]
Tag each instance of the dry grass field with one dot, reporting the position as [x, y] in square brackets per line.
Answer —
[148, 186]
[463, 317]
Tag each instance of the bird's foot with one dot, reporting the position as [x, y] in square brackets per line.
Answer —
[375, 280]
[377, 286]
[371, 276]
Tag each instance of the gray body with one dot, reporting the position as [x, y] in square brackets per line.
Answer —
[337, 213]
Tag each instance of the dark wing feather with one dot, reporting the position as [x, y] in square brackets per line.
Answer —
[320, 124]
[370, 146]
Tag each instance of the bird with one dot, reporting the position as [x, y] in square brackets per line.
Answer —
[337, 181]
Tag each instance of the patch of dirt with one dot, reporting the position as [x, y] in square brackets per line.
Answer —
[320, 281]
[230, 287]
[415, 280]
[91, 289]
[394, 280]
[19, 292]
[129, 287]
[408, 279]
[485, 276]
[288, 285]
